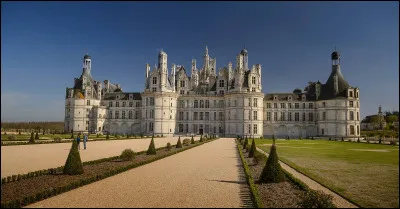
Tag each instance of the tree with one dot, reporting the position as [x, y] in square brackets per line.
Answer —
[37, 135]
[179, 144]
[391, 118]
[73, 165]
[253, 148]
[272, 172]
[32, 139]
[192, 140]
[152, 148]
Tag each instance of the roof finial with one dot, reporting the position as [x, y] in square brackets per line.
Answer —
[206, 50]
[335, 48]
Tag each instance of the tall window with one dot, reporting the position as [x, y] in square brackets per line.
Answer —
[358, 116]
[282, 116]
[351, 93]
[88, 102]
[151, 101]
[304, 116]
[201, 103]
[255, 115]
[253, 80]
[249, 115]
[117, 104]
[201, 116]
[275, 116]
[290, 116]
[249, 102]
[310, 116]
[207, 116]
[323, 116]
[207, 104]
[310, 105]
[221, 83]
[254, 128]
[123, 114]
[130, 114]
[351, 130]
[249, 128]
[117, 114]
[296, 105]
[351, 103]
[195, 116]
[304, 105]
[290, 105]
[130, 104]
[268, 116]
[137, 114]
[255, 102]
[123, 104]
[110, 115]
[215, 115]
[296, 116]
[282, 105]
[351, 115]
[110, 104]
[268, 105]
[151, 126]
[275, 105]
[137, 104]
[196, 104]
[154, 80]
[182, 83]
[221, 116]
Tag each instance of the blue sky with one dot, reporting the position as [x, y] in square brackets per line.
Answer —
[43, 43]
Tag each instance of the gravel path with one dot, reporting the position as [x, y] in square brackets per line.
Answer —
[339, 201]
[206, 176]
[26, 158]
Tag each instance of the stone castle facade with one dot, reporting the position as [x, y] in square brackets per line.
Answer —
[227, 102]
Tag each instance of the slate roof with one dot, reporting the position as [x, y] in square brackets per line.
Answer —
[327, 89]
[123, 96]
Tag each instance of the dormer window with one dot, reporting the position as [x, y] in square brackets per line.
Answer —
[117, 97]
[154, 80]
[253, 80]
[274, 98]
[130, 96]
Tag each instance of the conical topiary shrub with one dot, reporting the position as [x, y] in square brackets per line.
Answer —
[108, 136]
[152, 148]
[252, 148]
[72, 134]
[192, 140]
[272, 172]
[37, 135]
[179, 144]
[201, 138]
[246, 142]
[32, 139]
[73, 165]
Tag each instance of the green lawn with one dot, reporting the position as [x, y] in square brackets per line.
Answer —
[369, 178]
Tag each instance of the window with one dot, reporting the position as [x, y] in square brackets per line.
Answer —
[249, 128]
[275, 116]
[207, 104]
[351, 115]
[110, 115]
[221, 103]
[187, 115]
[221, 116]
[268, 116]
[180, 115]
[323, 132]
[304, 116]
[151, 113]
[358, 104]
[154, 89]
[123, 104]
[182, 92]
[249, 115]
[130, 104]
[268, 105]
[181, 103]
[296, 105]
[182, 83]
[296, 116]
[137, 104]
[221, 92]
[117, 104]
[290, 116]
[358, 116]
[290, 105]
[358, 130]
[323, 116]
[180, 128]
[195, 115]
[351, 103]
[253, 89]
[116, 114]
[255, 102]
[215, 115]
[282, 116]
[255, 129]
[207, 116]
[357, 96]
[249, 102]
[351, 93]
[323, 104]
[151, 126]
[151, 101]
[310, 116]
[130, 114]
[196, 104]
[221, 83]
[110, 104]
[253, 80]
[88, 102]
[201, 116]
[304, 105]
[351, 130]
[282, 105]
[255, 115]
[154, 80]
[123, 114]
[201, 103]
[310, 105]
[275, 105]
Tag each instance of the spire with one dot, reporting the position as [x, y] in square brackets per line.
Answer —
[206, 50]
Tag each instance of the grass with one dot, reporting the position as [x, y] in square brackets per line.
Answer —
[370, 179]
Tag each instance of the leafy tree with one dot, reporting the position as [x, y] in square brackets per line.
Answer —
[179, 144]
[272, 172]
[73, 165]
[252, 148]
[152, 148]
[192, 140]
[391, 118]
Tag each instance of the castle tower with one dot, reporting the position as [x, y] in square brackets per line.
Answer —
[162, 65]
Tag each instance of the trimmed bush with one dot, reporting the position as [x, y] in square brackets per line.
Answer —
[73, 165]
[168, 146]
[19, 132]
[252, 148]
[192, 140]
[246, 142]
[392, 142]
[152, 148]
[316, 199]
[186, 142]
[358, 140]
[108, 136]
[127, 155]
[32, 139]
[11, 137]
[272, 172]
[72, 134]
[179, 143]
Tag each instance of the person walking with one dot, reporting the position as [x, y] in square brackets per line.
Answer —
[85, 138]
[78, 140]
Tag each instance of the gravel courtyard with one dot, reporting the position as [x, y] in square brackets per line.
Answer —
[26, 158]
[206, 176]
